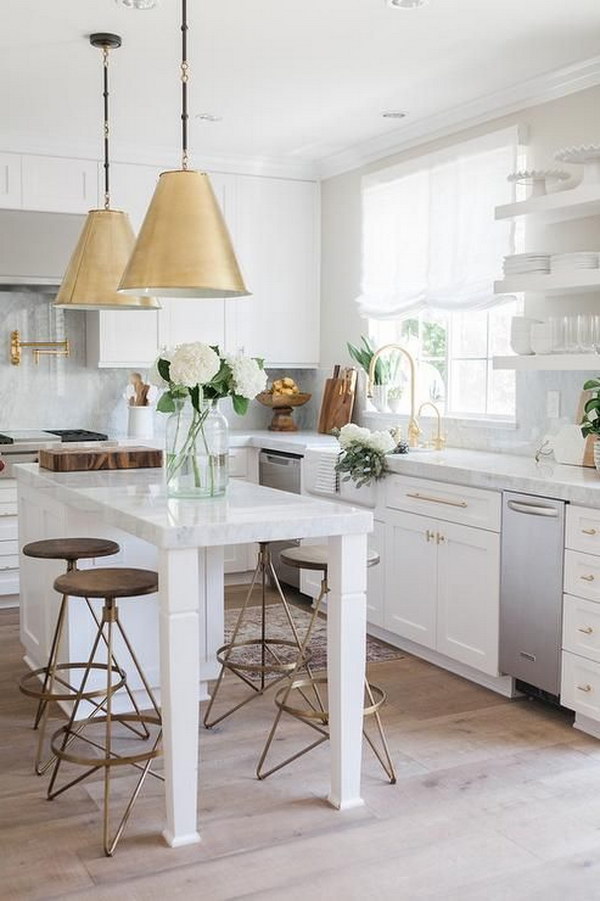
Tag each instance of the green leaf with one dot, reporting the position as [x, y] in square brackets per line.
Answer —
[166, 403]
[163, 367]
[592, 404]
[240, 404]
[195, 395]
[591, 384]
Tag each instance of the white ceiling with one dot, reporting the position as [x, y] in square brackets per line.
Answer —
[294, 80]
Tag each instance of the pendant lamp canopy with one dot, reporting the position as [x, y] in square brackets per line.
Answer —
[183, 248]
[106, 240]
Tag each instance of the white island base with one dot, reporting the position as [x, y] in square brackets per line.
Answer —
[177, 633]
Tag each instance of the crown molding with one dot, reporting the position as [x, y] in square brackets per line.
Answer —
[161, 156]
[541, 89]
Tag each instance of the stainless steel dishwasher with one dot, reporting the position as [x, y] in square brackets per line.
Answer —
[531, 587]
[277, 469]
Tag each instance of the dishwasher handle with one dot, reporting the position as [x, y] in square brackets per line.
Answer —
[533, 509]
[279, 459]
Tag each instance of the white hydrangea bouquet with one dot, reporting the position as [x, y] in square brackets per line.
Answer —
[363, 454]
[194, 377]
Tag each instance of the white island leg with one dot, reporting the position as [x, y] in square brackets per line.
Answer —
[346, 651]
[180, 576]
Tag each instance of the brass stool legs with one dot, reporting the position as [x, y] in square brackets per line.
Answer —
[318, 717]
[271, 662]
[48, 692]
[75, 730]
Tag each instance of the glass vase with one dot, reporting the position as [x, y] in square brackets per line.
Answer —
[197, 450]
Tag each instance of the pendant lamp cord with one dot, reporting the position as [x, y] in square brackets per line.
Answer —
[106, 129]
[184, 87]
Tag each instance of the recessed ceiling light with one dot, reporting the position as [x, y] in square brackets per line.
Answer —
[137, 4]
[407, 4]
[208, 117]
[394, 114]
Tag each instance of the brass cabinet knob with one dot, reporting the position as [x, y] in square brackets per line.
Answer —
[587, 630]
[440, 538]
[429, 535]
[588, 531]
[589, 578]
[585, 688]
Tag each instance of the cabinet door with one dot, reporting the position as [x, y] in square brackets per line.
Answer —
[410, 577]
[468, 595]
[275, 231]
[59, 185]
[10, 181]
[122, 339]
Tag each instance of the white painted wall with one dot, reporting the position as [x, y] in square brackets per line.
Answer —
[568, 121]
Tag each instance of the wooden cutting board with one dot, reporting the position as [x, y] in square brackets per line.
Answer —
[73, 460]
[338, 402]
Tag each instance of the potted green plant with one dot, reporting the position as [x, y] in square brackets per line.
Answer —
[363, 355]
[590, 424]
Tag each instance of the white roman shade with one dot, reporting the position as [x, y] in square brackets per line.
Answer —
[429, 234]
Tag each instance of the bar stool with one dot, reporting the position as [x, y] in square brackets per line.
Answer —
[277, 657]
[71, 550]
[107, 584]
[315, 557]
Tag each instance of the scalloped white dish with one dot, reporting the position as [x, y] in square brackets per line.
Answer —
[586, 153]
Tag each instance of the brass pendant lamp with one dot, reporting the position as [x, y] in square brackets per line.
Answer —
[106, 240]
[183, 248]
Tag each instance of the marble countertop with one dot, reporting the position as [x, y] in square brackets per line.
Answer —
[500, 471]
[136, 502]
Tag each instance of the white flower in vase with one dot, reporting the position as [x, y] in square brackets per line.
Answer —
[194, 364]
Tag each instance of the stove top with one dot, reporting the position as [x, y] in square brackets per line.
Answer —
[78, 435]
[31, 436]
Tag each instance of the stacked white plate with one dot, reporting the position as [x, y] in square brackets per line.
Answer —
[568, 262]
[522, 263]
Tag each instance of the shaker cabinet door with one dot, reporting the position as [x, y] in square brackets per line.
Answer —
[468, 595]
[411, 577]
[275, 232]
[59, 185]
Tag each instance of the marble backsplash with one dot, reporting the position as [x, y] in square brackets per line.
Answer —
[66, 393]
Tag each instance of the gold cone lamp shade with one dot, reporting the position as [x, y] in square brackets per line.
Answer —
[98, 261]
[183, 248]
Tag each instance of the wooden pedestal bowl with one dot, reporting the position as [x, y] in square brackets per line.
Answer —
[282, 406]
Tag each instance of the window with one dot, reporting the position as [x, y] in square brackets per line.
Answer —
[431, 252]
[454, 353]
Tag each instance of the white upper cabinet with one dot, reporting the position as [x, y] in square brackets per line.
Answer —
[275, 229]
[10, 181]
[59, 185]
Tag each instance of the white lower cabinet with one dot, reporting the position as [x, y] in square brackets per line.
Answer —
[442, 587]
[468, 597]
[580, 685]
[9, 545]
[410, 577]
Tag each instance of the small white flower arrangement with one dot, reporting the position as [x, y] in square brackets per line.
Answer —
[205, 374]
[363, 454]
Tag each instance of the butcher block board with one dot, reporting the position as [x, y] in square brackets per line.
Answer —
[89, 459]
[338, 403]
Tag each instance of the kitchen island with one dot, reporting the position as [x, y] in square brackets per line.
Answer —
[184, 540]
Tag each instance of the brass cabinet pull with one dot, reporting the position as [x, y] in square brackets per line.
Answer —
[588, 531]
[440, 538]
[437, 500]
[587, 687]
[429, 535]
[589, 578]
[587, 630]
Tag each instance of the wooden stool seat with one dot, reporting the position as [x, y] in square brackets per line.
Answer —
[71, 548]
[316, 557]
[108, 582]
